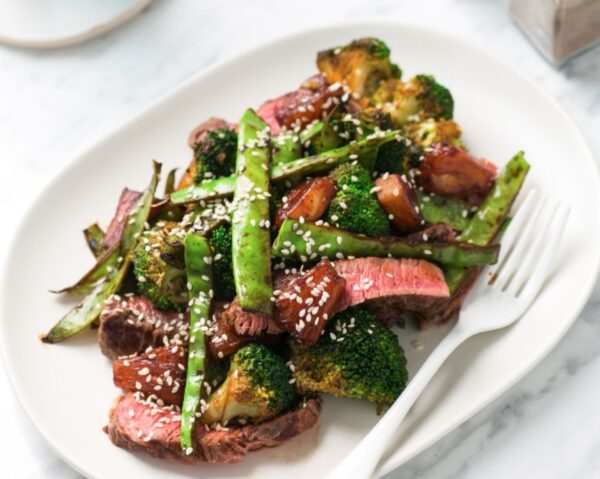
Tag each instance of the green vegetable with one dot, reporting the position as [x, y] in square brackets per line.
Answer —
[330, 159]
[257, 388]
[220, 242]
[286, 147]
[215, 154]
[250, 218]
[210, 189]
[159, 267]
[360, 65]
[310, 242]
[491, 214]
[224, 187]
[170, 182]
[441, 209]
[431, 131]
[356, 358]
[85, 313]
[355, 207]
[419, 98]
[198, 265]
[94, 235]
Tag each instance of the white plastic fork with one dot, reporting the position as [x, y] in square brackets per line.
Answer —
[501, 296]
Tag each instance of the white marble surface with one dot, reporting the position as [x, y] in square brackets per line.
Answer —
[53, 104]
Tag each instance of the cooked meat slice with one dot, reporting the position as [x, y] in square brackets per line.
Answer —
[114, 231]
[308, 200]
[436, 233]
[442, 313]
[310, 102]
[249, 323]
[129, 325]
[233, 328]
[396, 284]
[137, 424]
[267, 112]
[159, 371]
[306, 304]
[399, 201]
[451, 171]
[314, 99]
[224, 340]
[198, 133]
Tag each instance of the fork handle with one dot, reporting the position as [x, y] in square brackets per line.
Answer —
[365, 456]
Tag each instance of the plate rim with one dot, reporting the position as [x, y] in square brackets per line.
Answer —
[367, 24]
[99, 29]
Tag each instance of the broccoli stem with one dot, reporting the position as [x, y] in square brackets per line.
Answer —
[491, 214]
[307, 241]
[85, 313]
[198, 265]
[93, 237]
[223, 187]
[441, 209]
[251, 242]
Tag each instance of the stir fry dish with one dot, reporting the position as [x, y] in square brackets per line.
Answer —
[282, 265]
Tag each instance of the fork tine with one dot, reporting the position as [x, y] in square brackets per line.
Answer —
[532, 254]
[516, 225]
[540, 271]
[511, 262]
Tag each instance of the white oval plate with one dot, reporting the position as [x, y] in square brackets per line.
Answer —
[67, 390]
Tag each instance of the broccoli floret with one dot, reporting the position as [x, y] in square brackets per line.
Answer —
[215, 154]
[220, 242]
[257, 388]
[360, 65]
[397, 157]
[431, 131]
[355, 207]
[356, 357]
[159, 266]
[419, 98]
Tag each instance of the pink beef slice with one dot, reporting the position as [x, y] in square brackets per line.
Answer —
[138, 424]
[127, 202]
[392, 286]
[130, 324]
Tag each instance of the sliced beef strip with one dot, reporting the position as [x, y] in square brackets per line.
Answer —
[159, 371]
[451, 171]
[390, 286]
[249, 323]
[127, 201]
[305, 305]
[442, 313]
[131, 324]
[137, 424]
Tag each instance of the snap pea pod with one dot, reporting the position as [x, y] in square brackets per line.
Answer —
[307, 241]
[93, 237]
[170, 182]
[224, 186]
[250, 235]
[198, 266]
[85, 313]
[285, 148]
[440, 209]
[491, 214]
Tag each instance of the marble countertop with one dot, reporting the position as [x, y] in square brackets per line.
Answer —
[54, 103]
